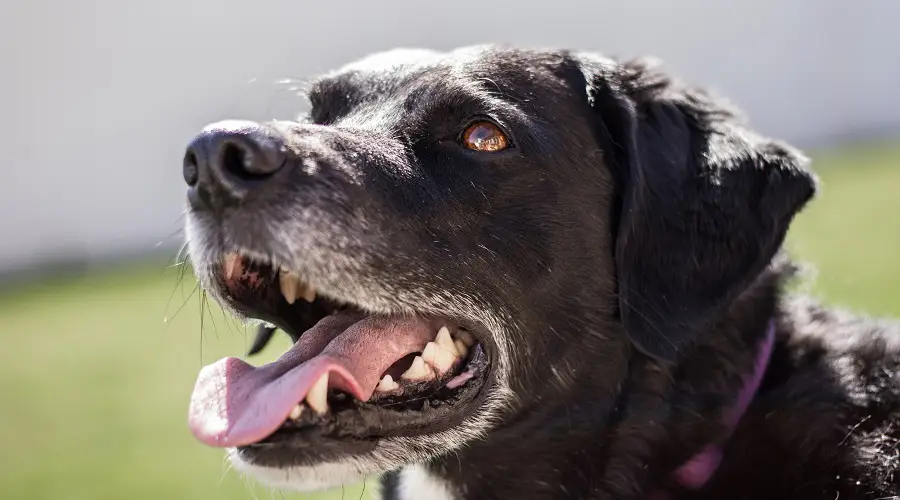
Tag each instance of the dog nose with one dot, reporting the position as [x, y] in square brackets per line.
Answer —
[230, 159]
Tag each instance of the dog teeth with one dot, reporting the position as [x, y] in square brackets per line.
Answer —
[438, 357]
[296, 411]
[461, 348]
[387, 384]
[466, 338]
[230, 264]
[317, 397]
[417, 370]
[292, 287]
[444, 340]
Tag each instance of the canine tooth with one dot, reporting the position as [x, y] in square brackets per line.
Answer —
[466, 338]
[290, 284]
[429, 352]
[317, 397]
[417, 370]
[230, 264]
[461, 348]
[296, 411]
[438, 357]
[308, 293]
[444, 340]
[387, 384]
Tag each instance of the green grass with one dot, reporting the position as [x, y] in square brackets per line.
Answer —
[95, 386]
[851, 232]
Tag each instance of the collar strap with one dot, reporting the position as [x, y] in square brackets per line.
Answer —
[695, 473]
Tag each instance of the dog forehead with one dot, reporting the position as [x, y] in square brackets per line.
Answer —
[379, 76]
[407, 61]
[391, 73]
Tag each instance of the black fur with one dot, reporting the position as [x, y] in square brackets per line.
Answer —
[632, 211]
[695, 184]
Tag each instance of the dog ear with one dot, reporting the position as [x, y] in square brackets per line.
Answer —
[703, 202]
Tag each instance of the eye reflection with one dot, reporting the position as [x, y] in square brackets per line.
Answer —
[484, 136]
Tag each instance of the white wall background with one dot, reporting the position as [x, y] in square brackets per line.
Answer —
[99, 97]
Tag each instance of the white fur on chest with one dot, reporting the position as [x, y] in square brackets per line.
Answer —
[416, 483]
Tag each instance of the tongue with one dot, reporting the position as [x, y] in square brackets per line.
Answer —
[236, 404]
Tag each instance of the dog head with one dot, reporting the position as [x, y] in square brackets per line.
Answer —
[454, 239]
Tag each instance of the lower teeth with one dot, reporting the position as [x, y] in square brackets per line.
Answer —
[389, 392]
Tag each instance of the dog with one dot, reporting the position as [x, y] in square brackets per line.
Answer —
[515, 273]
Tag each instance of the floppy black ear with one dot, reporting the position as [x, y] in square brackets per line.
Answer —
[704, 202]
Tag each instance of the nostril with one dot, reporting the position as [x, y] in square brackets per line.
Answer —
[191, 169]
[250, 156]
[240, 162]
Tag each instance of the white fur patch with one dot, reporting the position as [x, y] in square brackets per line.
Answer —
[320, 477]
[416, 483]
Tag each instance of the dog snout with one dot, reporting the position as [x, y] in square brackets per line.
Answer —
[228, 160]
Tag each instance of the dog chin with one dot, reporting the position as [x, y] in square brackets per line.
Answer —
[390, 455]
[308, 477]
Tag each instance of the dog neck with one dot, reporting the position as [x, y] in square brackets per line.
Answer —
[691, 475]
[641, 440]
[696, 472]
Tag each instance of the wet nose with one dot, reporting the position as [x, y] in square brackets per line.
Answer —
[230, 159]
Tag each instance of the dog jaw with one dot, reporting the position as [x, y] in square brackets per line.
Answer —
[390, 454]
[305, 478]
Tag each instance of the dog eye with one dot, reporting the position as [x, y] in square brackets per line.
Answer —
[484, 136]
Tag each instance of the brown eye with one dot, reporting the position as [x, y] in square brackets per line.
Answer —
[484, 136]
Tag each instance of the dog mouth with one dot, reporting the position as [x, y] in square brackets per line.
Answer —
[350, 376]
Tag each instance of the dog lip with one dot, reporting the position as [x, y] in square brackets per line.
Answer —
[227, 273]
[353, 431]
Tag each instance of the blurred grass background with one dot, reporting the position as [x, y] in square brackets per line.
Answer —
[95, 384]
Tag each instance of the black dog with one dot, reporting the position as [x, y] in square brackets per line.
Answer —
[529, 274]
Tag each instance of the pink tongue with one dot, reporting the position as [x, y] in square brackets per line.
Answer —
[236, 404]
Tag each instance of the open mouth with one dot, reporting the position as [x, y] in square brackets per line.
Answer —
[350, 375]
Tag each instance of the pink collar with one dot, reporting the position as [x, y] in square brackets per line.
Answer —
[695, 473]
